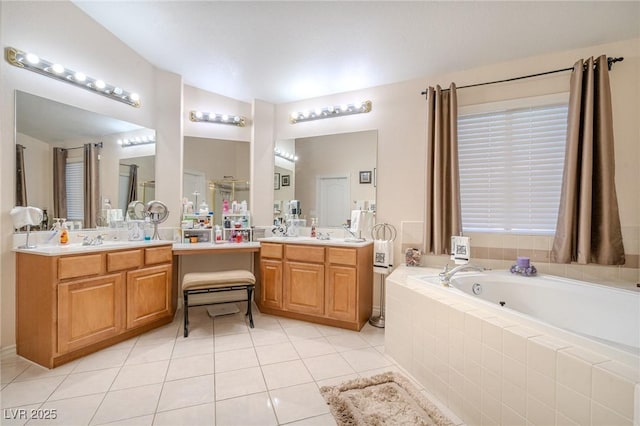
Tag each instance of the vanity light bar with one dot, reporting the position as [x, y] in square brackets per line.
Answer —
[330, 112]
[144, 140]
[285, 155]
[210, 117]
[34, 63]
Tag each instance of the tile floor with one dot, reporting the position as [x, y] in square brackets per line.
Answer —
[224, 373]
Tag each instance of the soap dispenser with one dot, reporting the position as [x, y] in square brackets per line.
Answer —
[64, 232]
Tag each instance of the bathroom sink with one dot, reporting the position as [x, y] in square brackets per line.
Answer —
[354, 240]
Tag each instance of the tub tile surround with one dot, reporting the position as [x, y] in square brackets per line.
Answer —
[497, 371]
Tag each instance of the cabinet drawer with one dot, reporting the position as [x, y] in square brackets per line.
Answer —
[157, 255]
[271, 250]
[304, 253]
[121, 260]
[79, 266]
[342, 256]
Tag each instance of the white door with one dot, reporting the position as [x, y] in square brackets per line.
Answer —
[333, 200]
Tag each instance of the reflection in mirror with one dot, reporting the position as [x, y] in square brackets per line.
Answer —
[136, 181]
[42, 125]
[215, 170]
[334, 174]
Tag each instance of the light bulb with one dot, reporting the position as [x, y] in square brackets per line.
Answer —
[198, 114]
[134, 97]
[318, 111]
[57, 68]
[80, 76]
[294, 115]
[225, 117]
[117, 91]
[343, 107]
[32, 59]
[100, 84]
[119, 141]
[295, 158]
[305, 113]
[236, 119]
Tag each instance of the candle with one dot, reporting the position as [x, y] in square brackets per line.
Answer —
[522, 262]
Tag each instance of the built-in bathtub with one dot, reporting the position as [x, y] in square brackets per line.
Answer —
[555, 351]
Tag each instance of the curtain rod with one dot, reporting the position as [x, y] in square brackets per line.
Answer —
[610, 62]
[97, 145]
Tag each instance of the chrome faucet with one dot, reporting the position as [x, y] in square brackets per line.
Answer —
[353, 234]
[447, 274]
[87, 241]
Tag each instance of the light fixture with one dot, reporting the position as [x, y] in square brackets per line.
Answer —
[34, 63]
[138, 140]
[286, 155]
[210, 117]
[330, 112]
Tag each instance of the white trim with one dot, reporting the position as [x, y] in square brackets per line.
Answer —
[8, 351]
[533, 101]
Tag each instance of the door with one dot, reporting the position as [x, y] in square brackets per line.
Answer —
[89, 311]
[304, 288]
[333, 201]
[148, 295]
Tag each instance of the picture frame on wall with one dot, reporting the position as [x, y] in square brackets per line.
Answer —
[286, 180]
[276, 181]
[365, 176]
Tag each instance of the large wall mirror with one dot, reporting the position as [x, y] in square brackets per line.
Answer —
[333, 175]
[43, 125]
[215, 170]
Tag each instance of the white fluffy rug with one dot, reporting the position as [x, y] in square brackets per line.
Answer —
[384, 399]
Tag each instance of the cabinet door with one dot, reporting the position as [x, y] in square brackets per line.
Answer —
[148, 295]
[304, 288]
[89, 311]
[271, 283]
[341, 293]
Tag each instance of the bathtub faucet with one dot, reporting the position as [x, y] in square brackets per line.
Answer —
[447, 274]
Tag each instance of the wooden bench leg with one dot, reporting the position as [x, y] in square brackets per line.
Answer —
[186, 314]
[249, 292]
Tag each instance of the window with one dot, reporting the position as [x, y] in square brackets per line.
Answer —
[511, 157]
[75, 190]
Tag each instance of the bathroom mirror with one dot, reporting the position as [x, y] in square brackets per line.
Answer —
[333, 174]
[136, 180]
[214, 170]
[42, 124]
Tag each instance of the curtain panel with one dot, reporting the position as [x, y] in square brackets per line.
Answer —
[132, 194]
[91, 185]
[60, 182]
[443, 215]
[588, 229]
[21, 183]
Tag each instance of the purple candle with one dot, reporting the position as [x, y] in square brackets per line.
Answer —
[522, 262]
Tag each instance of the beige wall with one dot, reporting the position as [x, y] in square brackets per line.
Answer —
[61, 32]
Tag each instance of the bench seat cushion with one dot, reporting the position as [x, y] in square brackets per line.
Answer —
[200, 280]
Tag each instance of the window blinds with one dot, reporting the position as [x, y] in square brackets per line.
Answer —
[75, 190]
[511, 165]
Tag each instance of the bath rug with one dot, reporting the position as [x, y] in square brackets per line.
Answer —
[383, 399]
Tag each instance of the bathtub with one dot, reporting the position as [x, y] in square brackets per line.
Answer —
[523, 350]
[605, 314]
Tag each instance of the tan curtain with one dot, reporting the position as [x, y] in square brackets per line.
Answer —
[588, 229]
[91, 185]
[21, 183]
[133, 183]
[443, 217]
[59, 182]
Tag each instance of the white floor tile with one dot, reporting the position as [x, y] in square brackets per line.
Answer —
[236, 383]
[366, 359]
[158, 336]
[102, 360]
[29, 392]
[313, 347]
[346, 342]
[187, 392]
[73, 411]
[338, 380]
[284, 374]
[192, 346]
[230, 342]
[198, 415]
[249, 410]
[265, 322]
[142, 354]
[140, 375]
[15, 416]
[323, 420]
[11, 370]
[235, 360]
[127, 403]
[268, 337]
[302, 332]
[327, 366]
[298, 402]
[35, 371]
[134, 421]
[233, 325]
[86, 383]
[182, 368]
[280, 352]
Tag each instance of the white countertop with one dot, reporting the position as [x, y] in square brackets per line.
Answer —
[219, 246]
[346, 242]
[78, 248]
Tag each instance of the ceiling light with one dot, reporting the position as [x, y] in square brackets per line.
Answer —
[56, 71]
[138, 140]
[330, 112]
[209, 117]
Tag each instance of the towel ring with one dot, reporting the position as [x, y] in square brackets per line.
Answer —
[381, 230]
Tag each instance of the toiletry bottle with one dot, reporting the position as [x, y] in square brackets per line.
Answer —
[64, 232]
[218, 234]
[225, 206]
[313, 227]
[44, 225]
[147, 229]
[243, 207]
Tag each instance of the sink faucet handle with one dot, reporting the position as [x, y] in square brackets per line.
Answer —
[446, 268]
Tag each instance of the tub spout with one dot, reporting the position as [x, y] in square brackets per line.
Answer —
[447, 274]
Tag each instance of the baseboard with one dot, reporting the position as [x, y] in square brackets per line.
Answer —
[8, 351]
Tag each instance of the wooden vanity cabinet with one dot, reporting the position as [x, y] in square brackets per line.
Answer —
[70, 305]
[323, 284]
